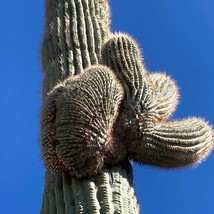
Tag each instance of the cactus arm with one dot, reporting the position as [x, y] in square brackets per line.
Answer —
[121, 53]
[174, 144]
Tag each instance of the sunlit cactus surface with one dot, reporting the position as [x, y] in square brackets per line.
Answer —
[102, 109]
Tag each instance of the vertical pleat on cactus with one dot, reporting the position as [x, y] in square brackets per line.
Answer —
[74, 34]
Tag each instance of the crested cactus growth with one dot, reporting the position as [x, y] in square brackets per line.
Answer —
[151, 93]
[151, 98]
[101, 109]
[78, 123]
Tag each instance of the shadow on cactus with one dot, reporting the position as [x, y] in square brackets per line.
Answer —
[118, 111]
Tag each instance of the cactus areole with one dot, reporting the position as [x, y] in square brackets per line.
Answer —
[101, 109]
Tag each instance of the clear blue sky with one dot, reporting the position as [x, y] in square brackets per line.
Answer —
[176, 37]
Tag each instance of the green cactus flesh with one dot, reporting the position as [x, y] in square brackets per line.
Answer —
[74, 33]
[110, 192]
[101, 109]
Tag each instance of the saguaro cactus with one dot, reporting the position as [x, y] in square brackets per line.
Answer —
[101, 109]
[74, 34]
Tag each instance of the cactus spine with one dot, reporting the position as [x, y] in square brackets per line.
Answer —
[101, 109]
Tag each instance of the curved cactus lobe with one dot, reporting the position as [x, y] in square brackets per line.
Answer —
[151, 94]
[122, 54]
[75, 31]
[174, 144]
[83, 116]
[166, 95]
[48, 133]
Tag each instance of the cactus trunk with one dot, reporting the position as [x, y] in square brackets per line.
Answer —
[109, 192]
[74, 34]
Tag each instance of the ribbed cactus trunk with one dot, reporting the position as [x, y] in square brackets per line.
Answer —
[74, 34]
[109, 192]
